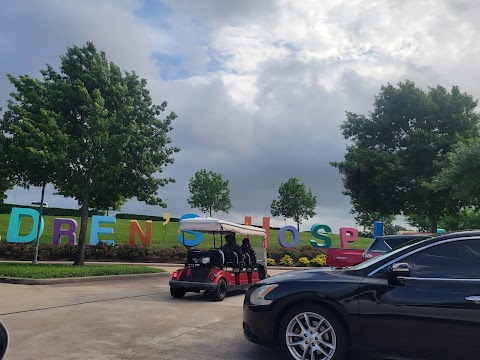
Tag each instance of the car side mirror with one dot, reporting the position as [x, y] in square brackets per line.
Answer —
[3, 340]
[398, 270]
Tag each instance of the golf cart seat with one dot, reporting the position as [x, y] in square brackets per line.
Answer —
[217, 258]
[231, 260]
[193, 256]
[247, 260]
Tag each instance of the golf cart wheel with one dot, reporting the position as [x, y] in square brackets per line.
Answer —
[310, 331]
[177, 293]
[219, 293]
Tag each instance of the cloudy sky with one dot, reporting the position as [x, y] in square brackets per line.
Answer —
[260, 87]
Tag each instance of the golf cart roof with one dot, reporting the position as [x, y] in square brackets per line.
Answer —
[211, 225]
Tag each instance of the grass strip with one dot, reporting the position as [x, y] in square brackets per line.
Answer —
[50, 271]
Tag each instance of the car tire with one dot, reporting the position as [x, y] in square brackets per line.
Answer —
[177, 293]
[325, 333]
[221, 291]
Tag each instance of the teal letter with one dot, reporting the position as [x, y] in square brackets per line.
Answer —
[15, 221]
[97, 230]
[315, 231]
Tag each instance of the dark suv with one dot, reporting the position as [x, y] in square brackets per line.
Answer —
[385, 243]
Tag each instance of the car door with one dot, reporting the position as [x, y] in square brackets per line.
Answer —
[433, 312]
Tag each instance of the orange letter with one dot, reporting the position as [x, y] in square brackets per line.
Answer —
[248, 221]
[266, 227]
[136, 229]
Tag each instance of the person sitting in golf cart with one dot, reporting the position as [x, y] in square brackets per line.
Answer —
[247, 249]
[231, 245]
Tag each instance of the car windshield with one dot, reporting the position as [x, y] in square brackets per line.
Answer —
[379, 258]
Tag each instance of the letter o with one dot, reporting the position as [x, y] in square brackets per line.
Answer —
[295, 233]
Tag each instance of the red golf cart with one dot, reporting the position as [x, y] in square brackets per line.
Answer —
[217, 270]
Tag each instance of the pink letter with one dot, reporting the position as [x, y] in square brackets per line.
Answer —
[347, 235]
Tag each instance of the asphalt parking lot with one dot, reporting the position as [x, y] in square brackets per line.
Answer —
[128, 319]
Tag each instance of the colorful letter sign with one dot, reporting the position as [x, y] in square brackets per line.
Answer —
[315, 231]
[13, 233]
[59, 231]
[198, 235]
[97, 230]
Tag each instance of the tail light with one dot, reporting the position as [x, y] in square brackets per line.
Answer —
[174, 275]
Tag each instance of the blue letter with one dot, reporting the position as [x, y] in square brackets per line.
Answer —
[198, 235]
[96, 229]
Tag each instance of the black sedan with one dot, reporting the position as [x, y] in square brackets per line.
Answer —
[420, 301]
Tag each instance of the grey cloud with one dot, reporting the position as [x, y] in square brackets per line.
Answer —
[220, 11]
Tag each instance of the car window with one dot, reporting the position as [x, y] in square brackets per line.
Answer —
[396, 242]
[456, 260]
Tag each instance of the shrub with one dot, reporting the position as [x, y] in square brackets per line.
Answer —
[319, 260]
[303, 261]
[271, 262]
[286, 261]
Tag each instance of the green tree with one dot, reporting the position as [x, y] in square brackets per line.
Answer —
[366, 220]
[115, 144]
[33, 142]
[461, 173]
[294, 202]
[209, 192]
[401, 146]
[6, 179]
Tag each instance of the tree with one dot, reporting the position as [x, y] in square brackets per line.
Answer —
[294, 202]
[461, 173]
[33, 142]
[366, 220]
[401, 146]
[209, 192]
[6, 179]
[115, 144]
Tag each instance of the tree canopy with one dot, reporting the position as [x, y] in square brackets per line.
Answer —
[6, 180]
[461, 173]
[209, 192]
[400, 147]
[294, 202]
[106, 128]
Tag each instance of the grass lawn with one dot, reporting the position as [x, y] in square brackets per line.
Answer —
[162, 235]
[48, 271]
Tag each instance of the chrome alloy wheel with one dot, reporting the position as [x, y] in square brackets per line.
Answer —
[309, 336]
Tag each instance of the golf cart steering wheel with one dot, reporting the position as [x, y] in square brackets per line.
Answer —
[3, 340]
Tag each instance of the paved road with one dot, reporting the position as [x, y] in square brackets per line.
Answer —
[123, 320]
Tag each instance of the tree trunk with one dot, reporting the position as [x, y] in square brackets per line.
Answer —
[80, 256]
[298, 226]
[434, 225]
[37, 240]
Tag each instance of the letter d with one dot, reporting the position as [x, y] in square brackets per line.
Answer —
[14, 225]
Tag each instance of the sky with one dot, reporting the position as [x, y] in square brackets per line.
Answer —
[260, 87]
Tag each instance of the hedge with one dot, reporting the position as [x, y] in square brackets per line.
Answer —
[137, 252]
[48, 211]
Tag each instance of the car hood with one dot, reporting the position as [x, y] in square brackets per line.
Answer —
[329, 274]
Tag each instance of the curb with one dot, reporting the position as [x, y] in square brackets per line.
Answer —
[72, 280]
